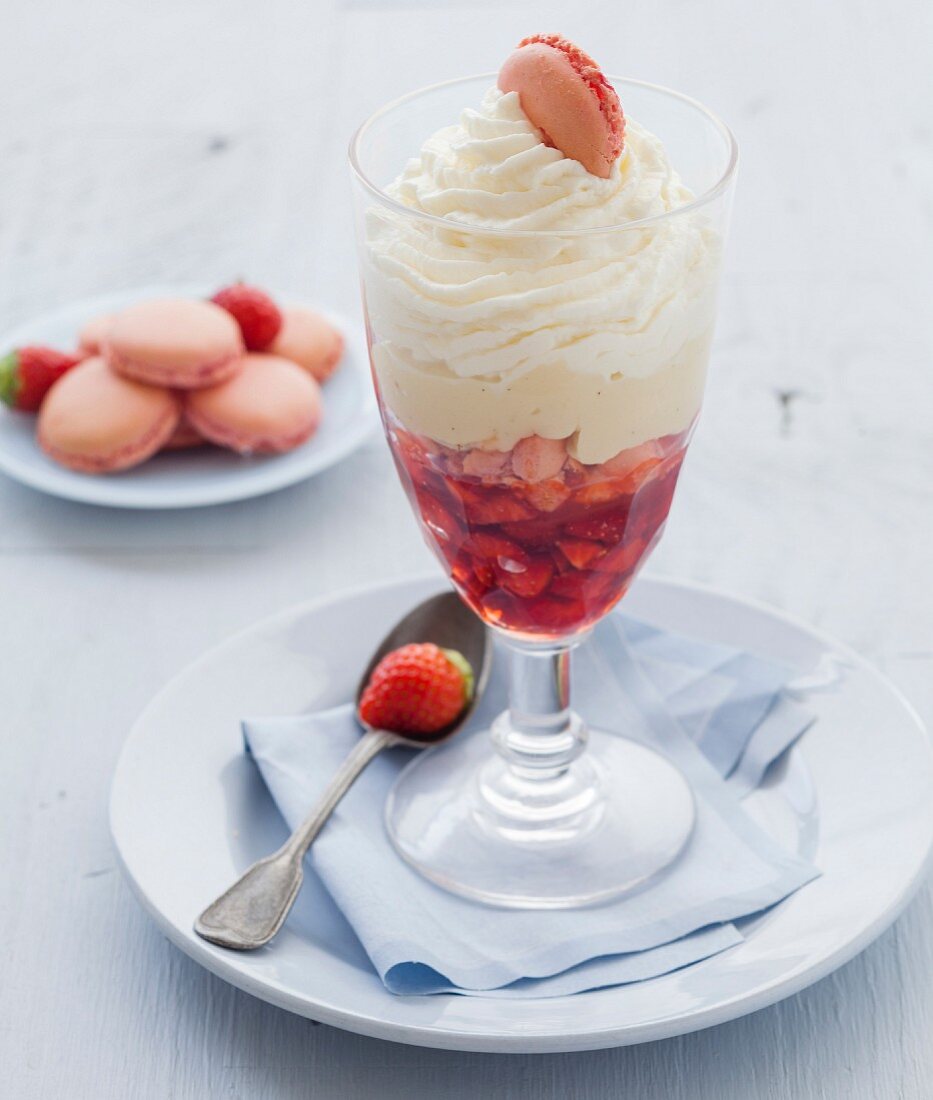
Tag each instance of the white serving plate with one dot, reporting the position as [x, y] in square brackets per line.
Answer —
[189, 813]
[202, 475]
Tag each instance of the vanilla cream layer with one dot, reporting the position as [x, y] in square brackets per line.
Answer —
[600, 416]
[479, 339]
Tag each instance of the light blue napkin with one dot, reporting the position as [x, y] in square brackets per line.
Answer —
[718, 713]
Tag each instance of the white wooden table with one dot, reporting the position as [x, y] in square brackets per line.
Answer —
[204, 139]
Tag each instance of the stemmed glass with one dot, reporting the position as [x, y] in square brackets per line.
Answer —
[544, 536]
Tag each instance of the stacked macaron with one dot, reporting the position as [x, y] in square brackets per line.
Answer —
[172, 373]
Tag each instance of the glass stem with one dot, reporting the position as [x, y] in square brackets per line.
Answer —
[539, 735]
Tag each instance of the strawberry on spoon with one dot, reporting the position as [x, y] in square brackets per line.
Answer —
[417, 690]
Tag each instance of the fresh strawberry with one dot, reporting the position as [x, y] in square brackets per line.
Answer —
[257, 315]
[27, 374]
[417, 690]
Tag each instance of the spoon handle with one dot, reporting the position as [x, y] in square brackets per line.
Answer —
[254, 908]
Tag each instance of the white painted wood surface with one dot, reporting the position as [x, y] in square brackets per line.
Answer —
[202, 139]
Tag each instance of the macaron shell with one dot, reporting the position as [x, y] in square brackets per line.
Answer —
[564, 94]
[310, 340]
[178, 342]
[271, 405]
[92, 335]
[97, 422]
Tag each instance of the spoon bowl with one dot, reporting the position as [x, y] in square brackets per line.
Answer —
[447, 622]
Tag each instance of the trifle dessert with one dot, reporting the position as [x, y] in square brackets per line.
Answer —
[539, 370]
[539, 285]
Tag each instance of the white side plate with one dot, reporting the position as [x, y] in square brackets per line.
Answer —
[189, 813]
[203, 475]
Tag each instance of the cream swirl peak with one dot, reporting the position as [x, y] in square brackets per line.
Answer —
[460, 315]
[493, 170]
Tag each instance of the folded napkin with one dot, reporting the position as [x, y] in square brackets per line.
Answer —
[719, 714]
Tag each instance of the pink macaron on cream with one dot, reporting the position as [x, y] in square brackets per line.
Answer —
[271, 405]
[310, 340]
[95, 421]
[564, 93]
[177, 342]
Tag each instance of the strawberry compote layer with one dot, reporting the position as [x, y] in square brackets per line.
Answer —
[536, 542]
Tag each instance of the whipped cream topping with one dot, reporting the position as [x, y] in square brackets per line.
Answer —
[578, 319]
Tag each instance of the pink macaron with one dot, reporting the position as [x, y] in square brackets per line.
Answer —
[177, 342]
[309, 340]
[564, 93]
[270, 405]
[92, 335]
[96, 421]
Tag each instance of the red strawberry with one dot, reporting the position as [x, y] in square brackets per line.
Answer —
[257, 315]
[417, 690]
[27, 374]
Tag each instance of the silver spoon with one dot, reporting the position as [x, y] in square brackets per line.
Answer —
[254, 908]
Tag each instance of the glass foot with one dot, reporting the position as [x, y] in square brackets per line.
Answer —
[604, 825]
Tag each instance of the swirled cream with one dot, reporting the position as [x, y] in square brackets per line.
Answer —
[493, 324]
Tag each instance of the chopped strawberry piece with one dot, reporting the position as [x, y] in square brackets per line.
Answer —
[632, 457]
[486, 544]
[601, 492]
[574, 585]
[559, 616]
[437, 519]
[533, 534]
[580, 553]
[607, 526]
[486, 506]
[623, 559]
[530, 581]
[546, 496]
[653, 501]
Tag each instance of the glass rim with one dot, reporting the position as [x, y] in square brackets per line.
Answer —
[710, 194]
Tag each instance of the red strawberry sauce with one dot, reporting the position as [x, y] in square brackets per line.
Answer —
[544, 559]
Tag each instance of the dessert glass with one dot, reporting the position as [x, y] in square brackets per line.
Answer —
[541, 535]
